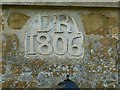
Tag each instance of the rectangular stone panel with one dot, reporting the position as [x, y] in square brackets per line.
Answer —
[48, 33]
[54, 34]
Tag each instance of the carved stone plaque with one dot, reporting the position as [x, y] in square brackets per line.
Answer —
[54, 35]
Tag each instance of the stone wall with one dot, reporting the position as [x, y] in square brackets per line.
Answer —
[95, 68]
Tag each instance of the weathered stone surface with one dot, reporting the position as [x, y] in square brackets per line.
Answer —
[97, 24]
[0, 46]
[90, 3]
[97, 67]
[17, 20]
[108, 42]
[16, 69]
[0, 67]
[10, 45]
[115, 32]
[1, 26]
[7, 83]
[1, 22]
[100, 85]
[65, 38]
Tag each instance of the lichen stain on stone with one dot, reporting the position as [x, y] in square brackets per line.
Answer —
[7, 83]
[17, 20]
[109, 47]
[16, 69]
[97, 24]
[21, 84]
[11, 83]
[57, 70]
[100, 84]
[10, 45]
[1, 23]
[3, 69]
[115, 32]
[32, 85]
[108, 42]
[36, 65]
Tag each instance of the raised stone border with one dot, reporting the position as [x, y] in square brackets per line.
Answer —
[63, 3]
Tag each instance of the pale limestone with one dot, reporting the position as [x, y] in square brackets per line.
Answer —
[90, 3]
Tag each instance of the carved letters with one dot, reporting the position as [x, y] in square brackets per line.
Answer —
[44, 44]
[53, 35]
